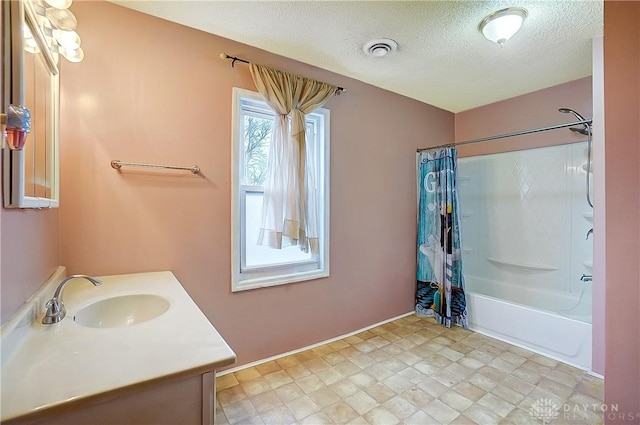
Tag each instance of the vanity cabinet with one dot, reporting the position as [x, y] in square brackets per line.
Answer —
[184, 401]
[158, 370]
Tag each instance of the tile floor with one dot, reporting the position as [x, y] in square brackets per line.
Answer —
[410, 371]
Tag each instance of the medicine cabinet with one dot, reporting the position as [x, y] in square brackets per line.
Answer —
[30, 78]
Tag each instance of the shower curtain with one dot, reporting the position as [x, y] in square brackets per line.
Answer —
[440, 284]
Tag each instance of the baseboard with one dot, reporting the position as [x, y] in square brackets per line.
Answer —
[595, 374]
[309, 347]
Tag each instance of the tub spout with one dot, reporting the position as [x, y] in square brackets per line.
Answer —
[589, 232]
[586, 278]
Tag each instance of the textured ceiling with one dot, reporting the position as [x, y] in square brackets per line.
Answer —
[442, 58]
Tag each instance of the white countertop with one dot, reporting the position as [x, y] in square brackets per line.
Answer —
[56, 364]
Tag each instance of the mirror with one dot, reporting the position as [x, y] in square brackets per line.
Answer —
[31, 79]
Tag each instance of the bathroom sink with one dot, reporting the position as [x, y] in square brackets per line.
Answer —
[124, 310]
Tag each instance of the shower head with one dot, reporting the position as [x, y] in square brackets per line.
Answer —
[582, 130]
[585, 127]
[571, 111]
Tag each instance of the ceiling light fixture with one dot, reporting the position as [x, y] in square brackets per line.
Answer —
[58, 25]
[500, 26]
[380, 47]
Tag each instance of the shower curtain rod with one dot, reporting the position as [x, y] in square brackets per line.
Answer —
[235, 59]
[502, 136]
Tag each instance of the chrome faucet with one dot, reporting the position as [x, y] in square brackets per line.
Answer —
[55, 307]
[589, 232]
[586, 278]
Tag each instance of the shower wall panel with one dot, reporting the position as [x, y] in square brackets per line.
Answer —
[525, 221]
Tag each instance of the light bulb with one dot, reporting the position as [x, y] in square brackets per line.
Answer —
[26, 31]
[73, 55]
[59, 4]
[62, 19]
[67, 39]
[31, 46]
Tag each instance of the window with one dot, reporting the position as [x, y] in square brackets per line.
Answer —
[255, 266]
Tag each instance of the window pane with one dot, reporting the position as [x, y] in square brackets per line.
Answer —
[258, 255]
[257, 136]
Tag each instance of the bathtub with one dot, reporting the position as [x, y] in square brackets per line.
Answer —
[555, 331]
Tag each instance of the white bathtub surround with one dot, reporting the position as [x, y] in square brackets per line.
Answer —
[525, 248]
[65, 366]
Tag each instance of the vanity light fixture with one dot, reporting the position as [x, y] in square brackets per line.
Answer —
[58, 25]
[500, 26]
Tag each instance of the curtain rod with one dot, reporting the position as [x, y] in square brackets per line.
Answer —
[235, 59]
[502, 136]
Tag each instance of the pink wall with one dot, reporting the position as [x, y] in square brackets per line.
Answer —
[30, 253]
[622, 159]
[532, 110]
[153, 91]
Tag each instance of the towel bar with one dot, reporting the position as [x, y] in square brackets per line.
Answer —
[117, 164]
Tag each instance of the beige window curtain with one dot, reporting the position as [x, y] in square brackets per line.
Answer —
[289, 209]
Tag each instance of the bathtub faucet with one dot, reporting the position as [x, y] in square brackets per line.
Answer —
[55, 307]
[589, 232]
[586, 278]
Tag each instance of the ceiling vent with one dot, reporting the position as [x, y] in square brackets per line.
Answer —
[380, 47]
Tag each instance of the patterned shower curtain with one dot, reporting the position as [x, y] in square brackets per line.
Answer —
[440, 284]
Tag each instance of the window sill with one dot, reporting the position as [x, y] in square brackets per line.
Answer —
[265, 282]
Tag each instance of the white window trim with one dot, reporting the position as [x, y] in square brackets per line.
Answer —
[280, 274]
